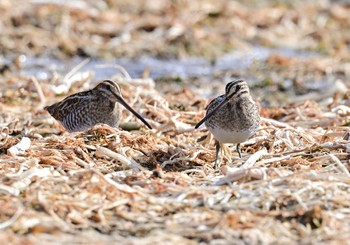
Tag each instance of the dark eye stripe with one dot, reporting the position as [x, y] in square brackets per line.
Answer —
[113, 84]
[230, 84]
[235, 92]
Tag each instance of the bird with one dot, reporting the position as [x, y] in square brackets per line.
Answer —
[83, 110]
[232, 117]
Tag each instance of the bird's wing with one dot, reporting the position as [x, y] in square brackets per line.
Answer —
[70, 104]
[214, 101]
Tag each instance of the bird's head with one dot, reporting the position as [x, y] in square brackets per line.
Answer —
[236, 89]
[108, 87]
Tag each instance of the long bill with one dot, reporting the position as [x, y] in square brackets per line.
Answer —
[122, 101]
[222, 103]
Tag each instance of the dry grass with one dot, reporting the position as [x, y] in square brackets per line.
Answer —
[170, 28]
[148, 186]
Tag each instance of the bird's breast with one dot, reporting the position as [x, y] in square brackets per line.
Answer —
[108, 113]
[230, 136]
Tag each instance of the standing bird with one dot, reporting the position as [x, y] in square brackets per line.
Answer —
[81, 111]
[232, 117]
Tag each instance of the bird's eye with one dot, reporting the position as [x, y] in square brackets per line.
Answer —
[238, 87]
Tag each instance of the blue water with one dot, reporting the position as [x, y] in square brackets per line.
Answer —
[44, 67]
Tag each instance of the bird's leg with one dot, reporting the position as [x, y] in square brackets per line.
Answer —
[239, 150]
[217, 147]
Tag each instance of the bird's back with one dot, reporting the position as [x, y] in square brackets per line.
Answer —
[83, 110]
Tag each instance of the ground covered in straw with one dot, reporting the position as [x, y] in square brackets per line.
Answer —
[133, 185]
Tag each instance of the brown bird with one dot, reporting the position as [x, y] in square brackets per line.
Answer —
[81, 111]
[232, 117]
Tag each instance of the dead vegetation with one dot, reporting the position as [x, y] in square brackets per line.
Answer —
[168, 28]
[109, 185]
[155, 185]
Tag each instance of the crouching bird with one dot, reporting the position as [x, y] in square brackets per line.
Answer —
[81, 111]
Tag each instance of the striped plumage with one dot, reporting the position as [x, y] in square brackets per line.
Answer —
[232, 117]
[81, 111]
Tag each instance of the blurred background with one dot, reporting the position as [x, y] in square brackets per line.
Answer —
[288, 51]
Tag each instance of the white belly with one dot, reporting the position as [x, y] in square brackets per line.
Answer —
[226, 136]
